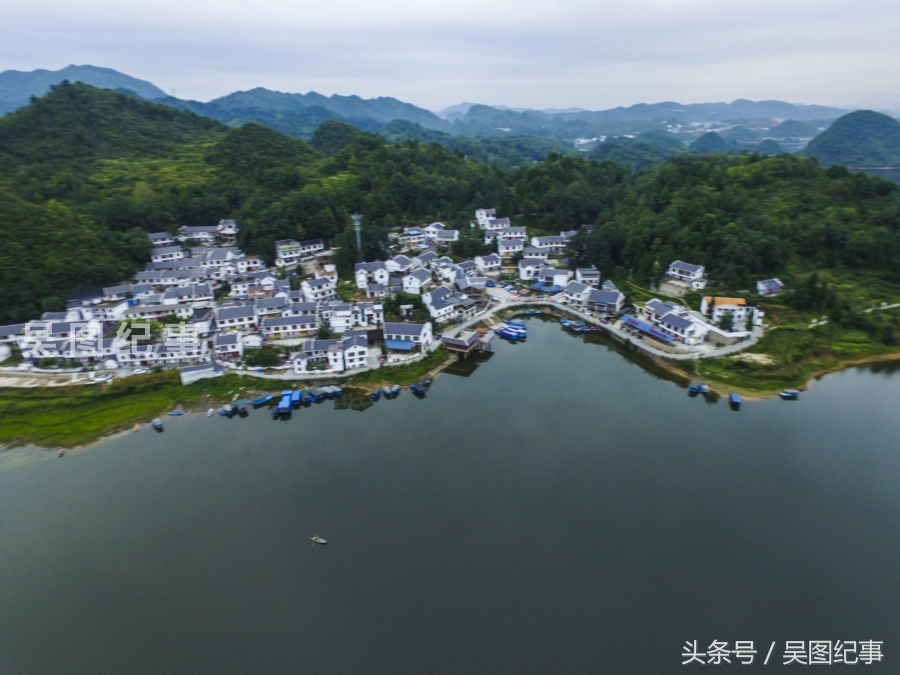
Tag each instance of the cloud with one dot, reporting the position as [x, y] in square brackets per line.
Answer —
[434, 53]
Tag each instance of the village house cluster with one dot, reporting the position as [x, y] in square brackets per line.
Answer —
[216, 301]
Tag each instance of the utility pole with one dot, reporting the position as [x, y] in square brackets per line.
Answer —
[357, 218]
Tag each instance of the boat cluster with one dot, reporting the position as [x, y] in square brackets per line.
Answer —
[734, 399]
[577, 326]
[393, 390]
[513, 330]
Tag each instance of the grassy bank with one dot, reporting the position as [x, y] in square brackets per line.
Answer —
[71, 416]
[403, 374]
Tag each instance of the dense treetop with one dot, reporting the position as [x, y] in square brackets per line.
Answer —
[86, 174]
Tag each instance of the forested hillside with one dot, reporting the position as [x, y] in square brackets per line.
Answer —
[862, 138]
[86, 173]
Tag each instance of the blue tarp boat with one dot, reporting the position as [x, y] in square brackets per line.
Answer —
[241, 406]
[515, 322]
[295, 397]
[262, 400]
[284, 405]
[317, 394]
[157, 424]
[376, 394]
[178, 411]
[533, 312]
[306, 397]
[735, 400]
[227, 410]
[417, 389]
[695, 387]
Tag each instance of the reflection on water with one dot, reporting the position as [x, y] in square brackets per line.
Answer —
[554, 509]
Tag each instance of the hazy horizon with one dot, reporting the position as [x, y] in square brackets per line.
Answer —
[564, 54]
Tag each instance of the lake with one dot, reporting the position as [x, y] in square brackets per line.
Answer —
[555, 508]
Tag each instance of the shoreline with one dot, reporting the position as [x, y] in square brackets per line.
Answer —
[143, 403]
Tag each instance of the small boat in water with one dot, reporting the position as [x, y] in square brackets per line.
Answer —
[705, 390]
[386, 390]
[227, 410]
[533, 312]
[241, 406]
[695, 387]
[179, 410]
[515, 322]
[157, 424]
[790, 394]
[295, 398]
[306, 397]
[262, 400]
[735, 400]
[376, 394]
[316, 539]
[210, 412]
[418, 389]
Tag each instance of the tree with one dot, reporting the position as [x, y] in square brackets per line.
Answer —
[264, 357]
[726, 321]
[323, 332]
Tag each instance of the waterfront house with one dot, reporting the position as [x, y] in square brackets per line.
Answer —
[687, 273]
[605, 301]
[415, 335]
[715, 308]
[487, 263]
[576, 294]
[769, 287]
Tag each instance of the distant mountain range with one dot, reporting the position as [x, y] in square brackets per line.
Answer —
[513, 136]
[17, 87]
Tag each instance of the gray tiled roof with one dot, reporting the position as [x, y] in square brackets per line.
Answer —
[403, 328]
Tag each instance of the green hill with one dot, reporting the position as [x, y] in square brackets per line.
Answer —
[17, 87]
[710, 142]
[860, 139]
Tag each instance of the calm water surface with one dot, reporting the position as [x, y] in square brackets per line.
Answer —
[557, 509]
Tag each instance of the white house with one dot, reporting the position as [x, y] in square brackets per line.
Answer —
[424, 259]
[550, 243]
[371, 273]
[229, 346]
[576, 294]
[445, 237]
[555, 276]
[497, 223]
[769, 287]
[347, 354]
[225, 232]
[375, 291]
[415, 281]
[412, 235]
[319, 290]
[509, 247]
[161, 239]
[311, 247]
[399, 264]
[236, 318]
[715, 308]
[676, 321]
[431, 231]
[482, 216]
[287, 253]
[487, 263]
[694, 275]
[589, 276]
[164, 253]
[530, 268]
[536, 253]
[437, 303]
[418, 335]
[605, 301]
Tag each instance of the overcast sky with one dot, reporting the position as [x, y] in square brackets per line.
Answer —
[565, 53]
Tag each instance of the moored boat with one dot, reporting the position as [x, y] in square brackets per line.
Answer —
[376, 394]
[295, 398]
[316, 539]
[735, 400]
[790, 394]
[418, 388]
[262, 400]
[157, 424]
[227, 410]
[241, 406]
[306, 396]
[395, 389]
[533, 312]
[705, 390]
[386, 390]
[695, 387]
[179, 410]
